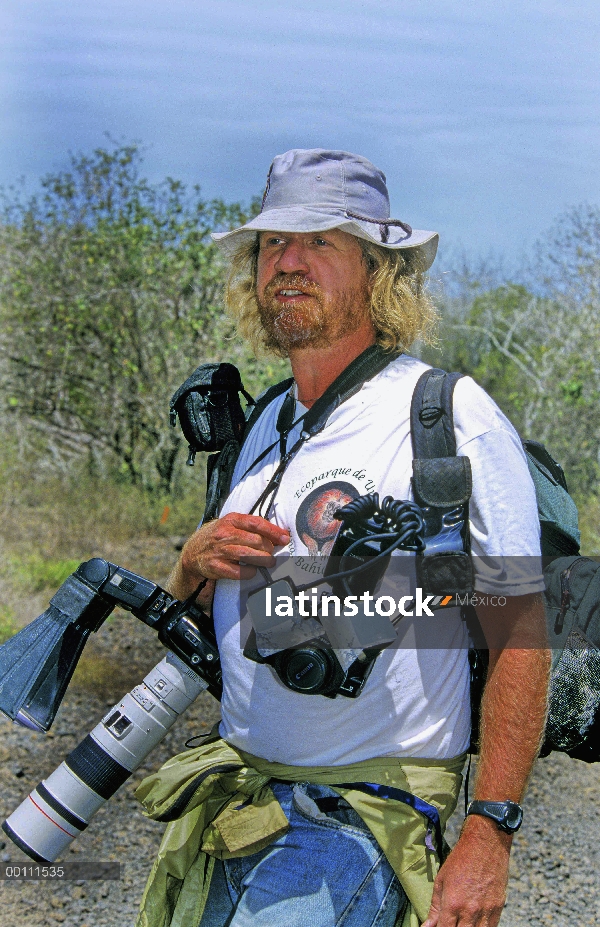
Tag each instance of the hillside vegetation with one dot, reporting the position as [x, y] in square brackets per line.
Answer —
[111, 294]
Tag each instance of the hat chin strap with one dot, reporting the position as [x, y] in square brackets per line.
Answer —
[384, 224]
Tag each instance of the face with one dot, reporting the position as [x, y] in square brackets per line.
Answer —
[312, 288]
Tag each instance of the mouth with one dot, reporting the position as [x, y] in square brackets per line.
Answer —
[290, 289]
[289, 294]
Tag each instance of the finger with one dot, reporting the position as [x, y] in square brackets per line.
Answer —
[436, 902]
[247, 540]
[205, 597]
[251, 555]
[454, 912]
[228, 569]
[254, 523]
[442, 913]
[214, 549]
[218, 565]
[491, 918]
[225, 544]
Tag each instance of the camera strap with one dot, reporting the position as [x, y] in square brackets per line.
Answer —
[284, 425]
[363, 368]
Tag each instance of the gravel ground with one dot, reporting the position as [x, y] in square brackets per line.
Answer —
[555, 861]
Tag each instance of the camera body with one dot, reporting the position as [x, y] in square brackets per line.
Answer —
[36, 666]
[326, 656]
[317, 653]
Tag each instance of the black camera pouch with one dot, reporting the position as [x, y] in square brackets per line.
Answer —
[209, 409]
[442, 487]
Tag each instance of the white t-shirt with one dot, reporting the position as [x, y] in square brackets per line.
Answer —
[416, 701]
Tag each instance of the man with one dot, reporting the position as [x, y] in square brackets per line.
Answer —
[320, 275]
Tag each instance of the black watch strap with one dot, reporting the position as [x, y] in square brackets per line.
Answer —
[508, 815]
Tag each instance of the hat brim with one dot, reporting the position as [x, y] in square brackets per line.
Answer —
[420, 245]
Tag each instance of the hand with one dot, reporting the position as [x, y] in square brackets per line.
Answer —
[225, 548]
[470, 888]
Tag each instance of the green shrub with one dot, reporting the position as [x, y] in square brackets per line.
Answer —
[8, 625]
[33, 572]
[589, 524]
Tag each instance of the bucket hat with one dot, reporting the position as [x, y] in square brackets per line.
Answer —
[313, 190]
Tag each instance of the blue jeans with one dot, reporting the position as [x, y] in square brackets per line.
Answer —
[326, 871]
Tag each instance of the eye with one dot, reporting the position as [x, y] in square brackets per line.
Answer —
[270, 240]
[320, 242]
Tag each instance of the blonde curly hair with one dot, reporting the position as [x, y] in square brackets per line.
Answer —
[401, 309]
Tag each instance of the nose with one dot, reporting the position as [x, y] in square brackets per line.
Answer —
[292, 258]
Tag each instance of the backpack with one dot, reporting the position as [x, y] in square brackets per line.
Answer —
[572, 595]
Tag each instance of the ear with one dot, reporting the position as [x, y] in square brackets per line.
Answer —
[371, 264]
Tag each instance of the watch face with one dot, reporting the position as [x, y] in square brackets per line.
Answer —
[513, 816]
[508, 815]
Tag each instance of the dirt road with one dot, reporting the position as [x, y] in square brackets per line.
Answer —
[555, 863]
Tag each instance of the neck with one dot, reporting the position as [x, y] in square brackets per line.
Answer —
[315, 369]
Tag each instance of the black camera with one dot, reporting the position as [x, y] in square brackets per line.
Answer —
[318, 653]
[36, 666]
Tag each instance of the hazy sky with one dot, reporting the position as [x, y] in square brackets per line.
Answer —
[485, 116]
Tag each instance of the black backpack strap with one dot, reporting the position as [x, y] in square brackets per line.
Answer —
[350, 381]
[219, 470]
[262, 402]
[431, 415]
[440, 478]
[442, 481]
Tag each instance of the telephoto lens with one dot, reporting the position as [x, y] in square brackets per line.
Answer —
[61, 806]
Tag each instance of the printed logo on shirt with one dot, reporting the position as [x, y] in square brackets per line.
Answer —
[315, 522]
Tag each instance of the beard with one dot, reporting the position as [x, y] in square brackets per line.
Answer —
[316, 323]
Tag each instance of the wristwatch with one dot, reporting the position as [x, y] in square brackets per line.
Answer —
[507, 814]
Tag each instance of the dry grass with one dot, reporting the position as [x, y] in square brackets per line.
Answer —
[49, 524]
[61, 521]
[109, 677]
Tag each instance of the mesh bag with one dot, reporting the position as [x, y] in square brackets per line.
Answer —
[574, 693]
